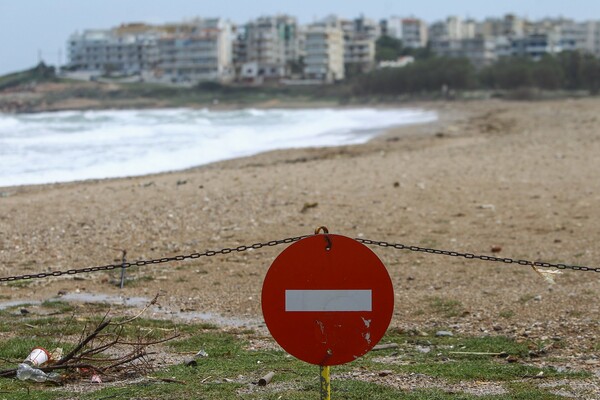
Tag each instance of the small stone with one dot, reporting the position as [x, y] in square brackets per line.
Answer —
[538, 297]
[496, 249]
[385, 373]
[497, 328]
[423, 349]
[444, 333]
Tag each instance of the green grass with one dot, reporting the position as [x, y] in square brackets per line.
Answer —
[59, 306]
[447, 308]
[40, 73]
[525, 298]
[19, 284]
[231, 366]
[506, 314]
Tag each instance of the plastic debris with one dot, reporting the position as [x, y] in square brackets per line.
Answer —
[27, 372]
[201, 353]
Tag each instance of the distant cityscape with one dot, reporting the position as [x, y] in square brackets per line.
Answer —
[279, 49]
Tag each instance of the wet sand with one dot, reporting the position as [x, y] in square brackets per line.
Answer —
[521, 177]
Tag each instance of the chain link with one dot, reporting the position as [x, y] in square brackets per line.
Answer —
[271, 243]
[505, 260]
[140, 263]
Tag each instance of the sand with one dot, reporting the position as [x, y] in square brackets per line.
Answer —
[518, 176]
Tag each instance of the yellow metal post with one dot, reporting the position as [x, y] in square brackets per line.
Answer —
[325, 383]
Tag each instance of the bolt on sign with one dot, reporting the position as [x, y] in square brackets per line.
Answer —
[327, 299]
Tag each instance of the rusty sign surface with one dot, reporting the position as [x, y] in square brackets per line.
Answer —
[327, 299]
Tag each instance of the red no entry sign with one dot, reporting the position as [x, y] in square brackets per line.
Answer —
[327, 307]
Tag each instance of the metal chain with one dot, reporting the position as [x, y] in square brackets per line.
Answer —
[140, 263]
[228, 250]
[505, 260]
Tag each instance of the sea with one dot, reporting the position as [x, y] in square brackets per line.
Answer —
[78, 145]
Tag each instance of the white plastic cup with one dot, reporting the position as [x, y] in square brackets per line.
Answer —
[38, 356]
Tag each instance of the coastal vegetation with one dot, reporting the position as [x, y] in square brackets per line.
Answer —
[38, 74]
[429, 77]
[568, 71]
[421, 365]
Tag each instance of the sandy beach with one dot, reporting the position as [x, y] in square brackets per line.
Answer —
[519, 177]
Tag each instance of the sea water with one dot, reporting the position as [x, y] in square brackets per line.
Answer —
[77, 145]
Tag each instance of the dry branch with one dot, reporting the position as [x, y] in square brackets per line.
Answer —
[105, 351]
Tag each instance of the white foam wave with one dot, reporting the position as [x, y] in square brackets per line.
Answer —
[76, 145]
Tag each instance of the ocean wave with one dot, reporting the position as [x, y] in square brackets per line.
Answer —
[77, 145]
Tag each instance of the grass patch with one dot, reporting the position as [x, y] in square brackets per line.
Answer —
[231, 366]
[58, 306]
[474, 370]
[137, 281]
[20, 284]
[447, 308]
[507, 314]
[525, 298]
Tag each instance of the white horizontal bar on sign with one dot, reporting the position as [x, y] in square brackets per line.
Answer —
[328, 300]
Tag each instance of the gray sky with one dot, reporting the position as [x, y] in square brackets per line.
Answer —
[33, 28]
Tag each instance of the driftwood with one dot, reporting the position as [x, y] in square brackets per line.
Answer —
[90, 354]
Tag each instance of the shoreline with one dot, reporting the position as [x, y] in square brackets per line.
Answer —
[374, 133]
[522, 177]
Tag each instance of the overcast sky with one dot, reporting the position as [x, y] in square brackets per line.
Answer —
[30, 29]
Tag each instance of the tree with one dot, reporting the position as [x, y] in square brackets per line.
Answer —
[547, 74]
[387, 48]
[591, 74]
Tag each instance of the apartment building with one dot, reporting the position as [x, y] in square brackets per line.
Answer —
[485, 42]
[413, 32]
[592, 37]
[126, 50]
[271, 45]
[277, 47]
[197, 50]
[510, 25]
[480, 50]
[324, 47]
[453, 28]
[360, 35]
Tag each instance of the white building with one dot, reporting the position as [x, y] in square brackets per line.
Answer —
[510, 26]
[592, 37]
[360, 36]
[272, 45]
[453, 28]
[412, 31]
[127, 50]
[324, 47]
[480, 51]
[198, 50]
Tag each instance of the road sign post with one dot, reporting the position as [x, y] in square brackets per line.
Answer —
[327, 300]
